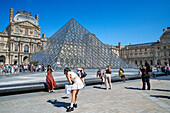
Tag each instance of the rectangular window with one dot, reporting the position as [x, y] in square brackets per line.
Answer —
[16, 39]
[1, 47]
[26, 31]
[2, 39]
[164, 53]
[16, 47]
[158, 54]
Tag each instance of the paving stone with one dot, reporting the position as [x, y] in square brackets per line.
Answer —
[95, 99]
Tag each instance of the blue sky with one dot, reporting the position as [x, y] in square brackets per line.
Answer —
[113, 21]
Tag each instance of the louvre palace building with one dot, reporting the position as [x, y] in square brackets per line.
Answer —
[155, 53]
[21, 38]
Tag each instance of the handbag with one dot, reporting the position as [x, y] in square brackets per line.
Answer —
[68, 89]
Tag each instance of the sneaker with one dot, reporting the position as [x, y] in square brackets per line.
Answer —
[143, 89]
[52, 91]
[75, 105]
[49, 91]
[70, 109]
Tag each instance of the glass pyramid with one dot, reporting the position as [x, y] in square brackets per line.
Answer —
[74, 46]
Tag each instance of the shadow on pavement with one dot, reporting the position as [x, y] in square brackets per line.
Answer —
[58, 104]
[133, 88]
[160, 96]
[161, 90]
[98, 87]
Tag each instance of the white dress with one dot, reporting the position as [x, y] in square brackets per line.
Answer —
[78, 84]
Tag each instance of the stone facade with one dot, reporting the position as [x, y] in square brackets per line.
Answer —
[155, 53]
[21, 38]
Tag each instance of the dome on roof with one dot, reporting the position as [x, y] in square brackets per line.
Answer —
[167, 31]
[22, 17]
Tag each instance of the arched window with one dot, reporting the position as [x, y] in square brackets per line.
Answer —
[35, 33]
[16, 30]
[26, 49]
[34, 49]
[26, 31]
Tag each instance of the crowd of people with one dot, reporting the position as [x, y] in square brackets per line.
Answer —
[24, 68]
[76, 79]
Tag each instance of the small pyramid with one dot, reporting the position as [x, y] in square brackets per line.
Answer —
[74, 46]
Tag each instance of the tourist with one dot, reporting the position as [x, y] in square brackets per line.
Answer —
[33, 68]
[122, 75]
[108, 72]
[77, 85]
[1, 69]
[50, 80]
[43, 67]
[100, 75]
[20, 68]
[167, 70]
[29, 67]
[145, 77]
[83, 75]
[39, 68]
[25, 68]
[7, 68]
[12, 69]
[16, 68]
[79, 70]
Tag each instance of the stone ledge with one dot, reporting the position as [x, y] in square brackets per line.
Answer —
[33, 87]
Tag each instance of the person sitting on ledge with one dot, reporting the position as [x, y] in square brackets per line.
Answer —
[122, 75]
[100, 75]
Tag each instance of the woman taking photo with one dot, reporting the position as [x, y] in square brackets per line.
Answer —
[77, 85]
[50, 80]
[108, 72]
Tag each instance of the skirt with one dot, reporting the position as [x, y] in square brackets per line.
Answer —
[78, 84]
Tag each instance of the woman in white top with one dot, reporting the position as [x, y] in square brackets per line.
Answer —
[77, 85]
[12, 69]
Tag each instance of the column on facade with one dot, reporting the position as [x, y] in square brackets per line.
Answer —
[21, 49]
[11, 59]
[10, 46]
[20, 59]
[32, 48]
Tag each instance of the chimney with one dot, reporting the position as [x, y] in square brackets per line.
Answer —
[43, 35]
[130, 44]
[11, 15]
[119, 44]
[37, 17]
[163, 30]
[157, 40]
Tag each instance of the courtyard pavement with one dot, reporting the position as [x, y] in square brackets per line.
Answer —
[123, 98]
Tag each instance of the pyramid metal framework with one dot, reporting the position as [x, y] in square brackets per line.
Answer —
[73, 46]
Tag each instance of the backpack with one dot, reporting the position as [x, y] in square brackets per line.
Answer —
[83, 75]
